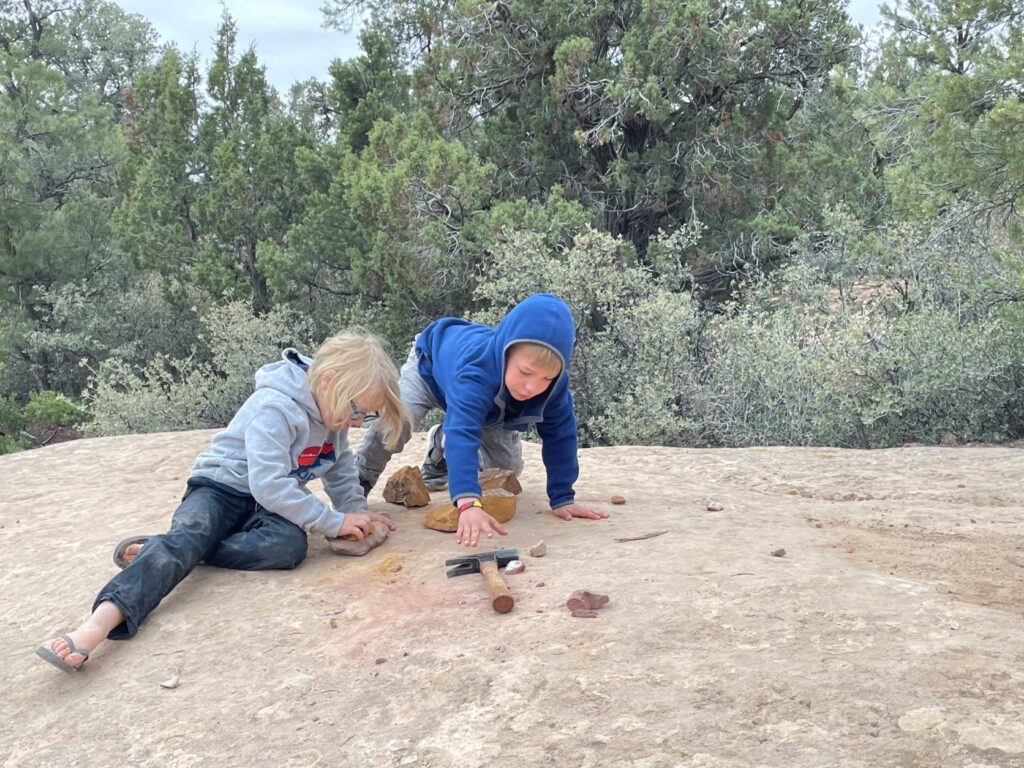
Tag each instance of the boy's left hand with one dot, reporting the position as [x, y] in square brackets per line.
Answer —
[569, 511]
[379, 517]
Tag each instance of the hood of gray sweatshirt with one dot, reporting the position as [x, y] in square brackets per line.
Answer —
[276, 443]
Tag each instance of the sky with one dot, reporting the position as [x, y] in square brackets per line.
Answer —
[287, 34]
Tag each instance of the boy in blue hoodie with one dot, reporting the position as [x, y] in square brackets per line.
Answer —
[246, 505]
[493, 384]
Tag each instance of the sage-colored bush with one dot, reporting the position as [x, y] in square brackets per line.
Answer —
[632, 371]
[878, 347]
[200, 391]
[860, 342]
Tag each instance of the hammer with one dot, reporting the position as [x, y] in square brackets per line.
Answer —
[488, 563]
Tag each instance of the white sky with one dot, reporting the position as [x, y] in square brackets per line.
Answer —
[289, 39]
[287, 34]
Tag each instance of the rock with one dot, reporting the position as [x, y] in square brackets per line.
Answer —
[584, 614]
[539, 549]
[582, 600]
[347, 545]
[714, 506]
[948, 440]
[172, 683]
[618, 499]
[406, 487]
[498, 503]
[779, 553]
[492, 479]
[514, 567]
[442, 516]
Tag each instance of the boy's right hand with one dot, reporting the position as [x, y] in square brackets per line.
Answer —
[356, 525]
[474, 522]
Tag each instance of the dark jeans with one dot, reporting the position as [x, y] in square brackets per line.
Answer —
[210, 525]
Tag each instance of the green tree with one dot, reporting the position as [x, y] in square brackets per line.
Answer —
[213, 181]
[64, 70]
[160, 179]
[947, 104]
[413, 195]
[250, 192]
[368, 88]
[649, 112]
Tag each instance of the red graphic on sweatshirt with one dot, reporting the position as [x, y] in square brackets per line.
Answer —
[309, 456]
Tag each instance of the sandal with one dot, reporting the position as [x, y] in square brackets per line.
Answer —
[119, 560]
[46, 652]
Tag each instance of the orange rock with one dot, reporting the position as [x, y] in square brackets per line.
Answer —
[443, 516]
[406, 486]
[504, 479]
[618, 499]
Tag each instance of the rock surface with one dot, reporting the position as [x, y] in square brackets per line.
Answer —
[892, 634]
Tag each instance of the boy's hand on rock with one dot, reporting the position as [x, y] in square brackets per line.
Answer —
[569, 511]
[473, 523]
[380, 517]
[350, 545]
[357, 525]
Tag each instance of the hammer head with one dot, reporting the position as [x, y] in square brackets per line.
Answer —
[471, 563]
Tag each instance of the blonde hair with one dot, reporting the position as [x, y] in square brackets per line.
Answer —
[541, 355]
[352, 362]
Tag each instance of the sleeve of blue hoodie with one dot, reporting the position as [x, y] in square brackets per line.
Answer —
[558, 450]
[268, 440]
[463, 430]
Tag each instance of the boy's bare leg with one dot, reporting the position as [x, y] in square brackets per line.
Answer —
[89, 634]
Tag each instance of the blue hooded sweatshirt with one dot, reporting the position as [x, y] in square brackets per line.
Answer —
[463, 363]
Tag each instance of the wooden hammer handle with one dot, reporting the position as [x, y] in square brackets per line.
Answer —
[501, 600]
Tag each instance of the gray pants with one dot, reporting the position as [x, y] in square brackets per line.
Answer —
[498, 447]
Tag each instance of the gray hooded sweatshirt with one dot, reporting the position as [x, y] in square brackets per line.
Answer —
[276, 443]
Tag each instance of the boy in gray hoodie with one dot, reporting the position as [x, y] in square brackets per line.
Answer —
[246, 505]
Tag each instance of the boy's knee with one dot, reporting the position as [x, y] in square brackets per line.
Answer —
[290, 550]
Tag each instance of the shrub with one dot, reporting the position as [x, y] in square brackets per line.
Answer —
[175, 394]
[842, 375]
[52, 409]
[632, 372]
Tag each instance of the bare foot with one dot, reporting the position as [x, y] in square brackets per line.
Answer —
[131, 552]
[87, 637]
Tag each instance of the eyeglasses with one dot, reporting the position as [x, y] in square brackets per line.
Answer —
[363, 416]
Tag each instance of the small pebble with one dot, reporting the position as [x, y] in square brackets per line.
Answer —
[715, 506]
[584, 614]
[618, 499]
[779, 553]
[516, 566]
[334, 623]
[172, 683]
[381, 660]
[539, 549]
[540, 583]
